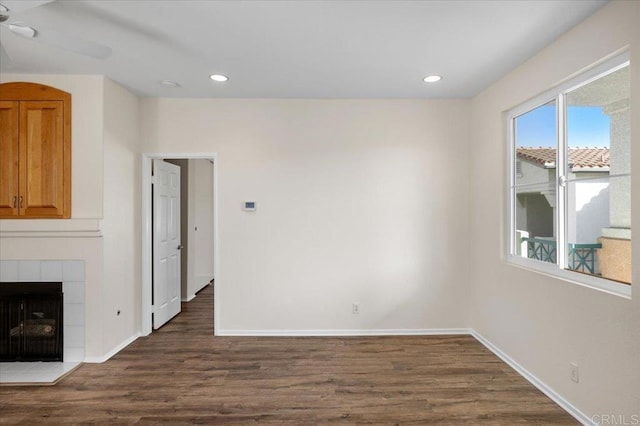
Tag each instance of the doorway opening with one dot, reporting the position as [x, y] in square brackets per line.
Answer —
[197, 227]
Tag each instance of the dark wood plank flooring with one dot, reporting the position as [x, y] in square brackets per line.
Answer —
[182, 374]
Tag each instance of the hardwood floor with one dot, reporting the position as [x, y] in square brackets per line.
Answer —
[183, 375]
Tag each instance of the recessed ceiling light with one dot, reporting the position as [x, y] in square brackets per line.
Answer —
[169, 83]
[432, 78]
[218, 77]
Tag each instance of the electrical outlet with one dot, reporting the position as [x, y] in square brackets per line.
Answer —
[355, 308]
[575, 372]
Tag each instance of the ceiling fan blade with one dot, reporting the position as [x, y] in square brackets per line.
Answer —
[17, 6]
[72, 43]
[5, 58]
[8, 8]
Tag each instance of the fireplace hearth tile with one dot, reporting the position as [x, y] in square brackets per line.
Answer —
[34, 373]
[29, 270]
[73, 292]
[51, 270]
[74, 336]
[74, 314]
[9, 270]
[73, 270]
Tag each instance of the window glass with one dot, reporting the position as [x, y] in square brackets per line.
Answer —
[598, 206]
[570, 188]
[535, 183]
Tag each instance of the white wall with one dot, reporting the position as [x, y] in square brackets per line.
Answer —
[358, 201]
[541, 322]
[201, 224]
[121, 223]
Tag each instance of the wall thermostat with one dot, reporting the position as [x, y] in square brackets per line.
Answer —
[249, 206]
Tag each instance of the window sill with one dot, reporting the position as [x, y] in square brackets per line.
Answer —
[553, 271]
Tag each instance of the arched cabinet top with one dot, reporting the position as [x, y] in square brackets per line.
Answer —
[35, 165]
[23, 91]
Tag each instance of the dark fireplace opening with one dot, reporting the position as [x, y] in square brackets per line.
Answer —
[31, 321]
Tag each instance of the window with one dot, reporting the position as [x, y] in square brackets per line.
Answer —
[570, 180]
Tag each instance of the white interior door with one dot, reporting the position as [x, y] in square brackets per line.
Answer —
[166, 242]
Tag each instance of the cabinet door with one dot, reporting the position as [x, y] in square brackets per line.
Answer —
[9, 143]
[42, 166]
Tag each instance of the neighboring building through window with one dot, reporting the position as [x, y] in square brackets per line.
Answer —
[570, 180]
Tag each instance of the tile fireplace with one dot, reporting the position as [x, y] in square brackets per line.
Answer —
[71, 275]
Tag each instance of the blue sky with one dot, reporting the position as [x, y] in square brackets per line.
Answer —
[587, 126]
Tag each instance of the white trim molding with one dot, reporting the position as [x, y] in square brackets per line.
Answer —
[42, 228]
[539, 384]
[146, 274]
[558, 268]
[346, 332]
[113, 352]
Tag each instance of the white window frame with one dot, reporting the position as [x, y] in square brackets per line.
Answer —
[557, 94]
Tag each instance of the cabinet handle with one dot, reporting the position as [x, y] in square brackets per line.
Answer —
[15, 201]
[21, 199]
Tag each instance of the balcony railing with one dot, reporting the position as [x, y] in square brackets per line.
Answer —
[582, 257]
[541, 249]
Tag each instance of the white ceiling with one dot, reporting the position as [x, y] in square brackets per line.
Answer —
[296, 49]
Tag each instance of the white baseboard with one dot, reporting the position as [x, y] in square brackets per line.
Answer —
[189, 298]
[543, 387]
[340, 332]
[192, 296]
[204, 281]
[121, 346]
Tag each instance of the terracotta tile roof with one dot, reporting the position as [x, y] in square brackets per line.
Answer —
[579, 158]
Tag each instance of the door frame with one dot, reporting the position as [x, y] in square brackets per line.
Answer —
[146, 211]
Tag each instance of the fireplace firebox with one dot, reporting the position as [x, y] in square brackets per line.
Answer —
[31, 321]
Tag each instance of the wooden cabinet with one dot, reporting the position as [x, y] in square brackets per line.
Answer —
[35, 151]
